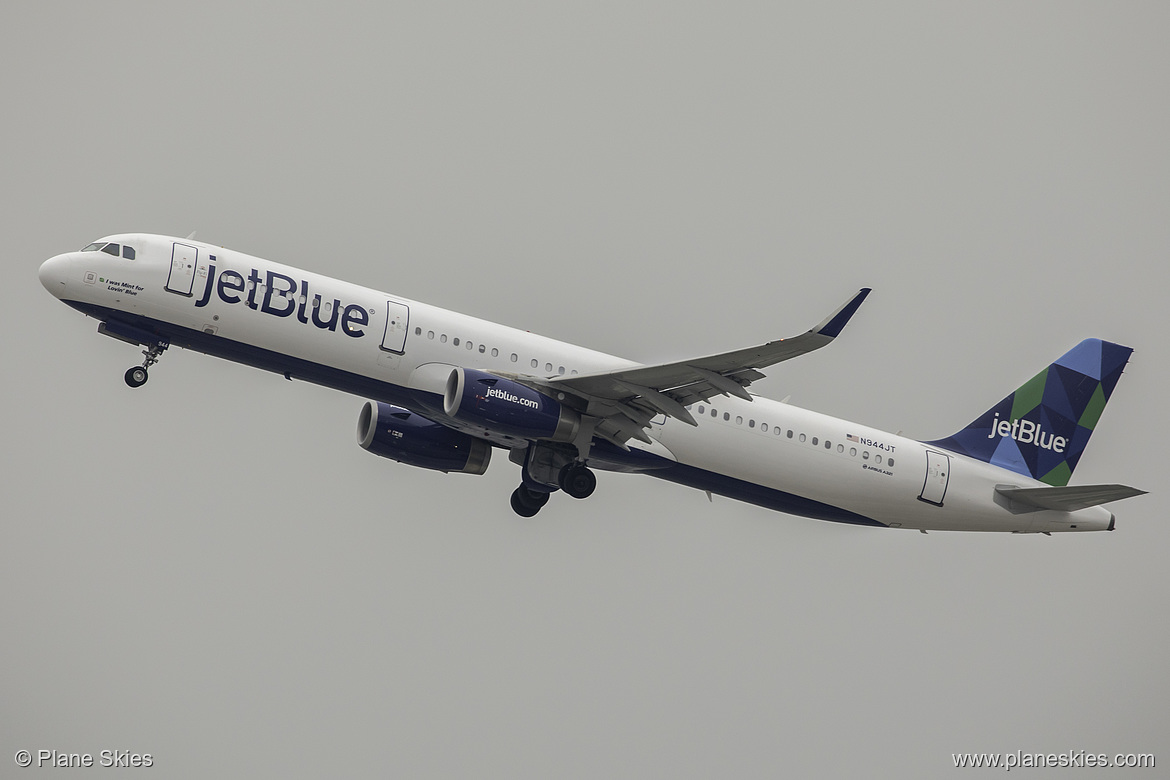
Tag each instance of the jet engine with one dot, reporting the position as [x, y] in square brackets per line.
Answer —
[500, 405]
[401, 435]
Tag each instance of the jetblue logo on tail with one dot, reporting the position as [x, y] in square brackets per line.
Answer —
[1027, 432]
[1042, 428]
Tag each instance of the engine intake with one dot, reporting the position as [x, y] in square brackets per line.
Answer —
[503, 406]
[400, 434]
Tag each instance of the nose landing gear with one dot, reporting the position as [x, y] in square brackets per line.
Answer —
[137, 376]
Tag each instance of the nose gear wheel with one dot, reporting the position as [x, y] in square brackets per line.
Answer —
[137, 375]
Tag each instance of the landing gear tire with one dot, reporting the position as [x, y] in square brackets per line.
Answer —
[137, 376]
[527, 503]
[577, 480]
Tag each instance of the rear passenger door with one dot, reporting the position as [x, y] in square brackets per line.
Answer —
[938, 475]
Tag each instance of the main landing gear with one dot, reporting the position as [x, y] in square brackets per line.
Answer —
[575, 478]
[137, 376]
[526, 502]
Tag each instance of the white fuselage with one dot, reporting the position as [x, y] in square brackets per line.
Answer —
[365, 341]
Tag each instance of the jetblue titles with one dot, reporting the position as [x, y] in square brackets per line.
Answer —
[281, 299]
[511, 398]
[1026, 432]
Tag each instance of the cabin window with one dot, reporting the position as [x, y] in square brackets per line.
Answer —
[726, 416]
[814, 441]
[890, 462]
[455, 341]
[840, 448]
[561, 370]
[535, 362]
[801, 437]
[431, 334]
[865, 456]
[853, 451]
[738, 420]
[702, 409]
[828, 444]
[714, 413]
[418, 331]
[764, 427]
[469, 345]
[495, 352]
[548, 367]
[751, 423]
[515, 357]
[878, 459]
[443, 339]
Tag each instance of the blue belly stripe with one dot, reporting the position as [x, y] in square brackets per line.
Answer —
[609, 457]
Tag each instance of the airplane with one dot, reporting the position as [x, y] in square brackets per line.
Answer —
[446, 390]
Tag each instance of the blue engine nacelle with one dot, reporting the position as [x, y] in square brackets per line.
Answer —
[401, 435]
[500, 405]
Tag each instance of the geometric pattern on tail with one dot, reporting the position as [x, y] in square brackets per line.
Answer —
[1041, 430]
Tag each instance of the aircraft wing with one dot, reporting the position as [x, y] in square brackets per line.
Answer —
[627, 399]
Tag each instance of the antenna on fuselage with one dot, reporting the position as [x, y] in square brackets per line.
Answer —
[191, 236]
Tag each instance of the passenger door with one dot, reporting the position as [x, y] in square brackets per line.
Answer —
[182, 275]
[938, 475]
[397, 323]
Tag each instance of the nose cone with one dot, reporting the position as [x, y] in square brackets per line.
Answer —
[52, 274]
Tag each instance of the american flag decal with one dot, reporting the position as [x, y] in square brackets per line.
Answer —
[853, 438]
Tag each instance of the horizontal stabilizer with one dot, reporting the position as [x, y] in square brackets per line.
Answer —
[1068, 499]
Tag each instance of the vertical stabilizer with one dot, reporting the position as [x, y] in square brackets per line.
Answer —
[1042, 428]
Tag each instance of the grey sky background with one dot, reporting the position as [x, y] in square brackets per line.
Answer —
[210, 570]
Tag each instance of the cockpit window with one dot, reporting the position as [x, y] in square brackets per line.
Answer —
[126, 250]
